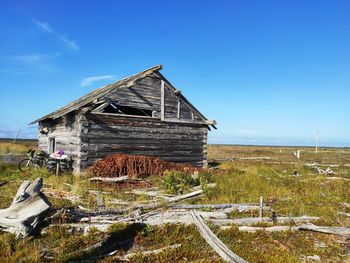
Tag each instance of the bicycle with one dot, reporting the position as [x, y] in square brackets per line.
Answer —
[33, 161]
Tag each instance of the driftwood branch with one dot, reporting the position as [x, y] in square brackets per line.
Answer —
[227, 208]
[230, 159]
[170, 200]
[327, 171]
[340, 231]
[26, 210]
[150, 252]
[110, 179]
[267, 229]
[254, 220]
[219, 247]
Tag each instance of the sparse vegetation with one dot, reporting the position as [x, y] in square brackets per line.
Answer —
[237, 181]
[19, 147]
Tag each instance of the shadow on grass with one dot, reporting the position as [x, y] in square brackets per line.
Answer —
[118, 239]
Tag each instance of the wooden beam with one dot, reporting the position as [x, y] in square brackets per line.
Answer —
[224, 252]
[211, 122]
[162, 100]
[101, 107]
[110, 179]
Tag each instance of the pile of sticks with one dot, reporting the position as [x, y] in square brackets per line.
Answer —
[134, 166]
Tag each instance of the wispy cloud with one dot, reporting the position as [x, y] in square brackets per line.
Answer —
[89, 80]
[71, 44]
[34, 58]
[43, 26]
[12, 71]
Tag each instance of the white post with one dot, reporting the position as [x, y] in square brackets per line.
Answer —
[298, 154]
[317, 136]
[261, 207]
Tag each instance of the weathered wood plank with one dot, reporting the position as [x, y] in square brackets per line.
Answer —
[162, 101]
[219, 247]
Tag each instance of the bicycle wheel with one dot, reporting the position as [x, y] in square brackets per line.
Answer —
[25, 165]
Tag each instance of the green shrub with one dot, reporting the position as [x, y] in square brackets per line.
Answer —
[204, 179]
[180, 182]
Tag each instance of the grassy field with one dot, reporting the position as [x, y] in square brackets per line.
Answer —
[238, 181]
[7, 146]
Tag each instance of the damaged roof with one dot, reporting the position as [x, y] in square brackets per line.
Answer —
[100, 92]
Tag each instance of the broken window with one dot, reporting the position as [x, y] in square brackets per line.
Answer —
[127, 110]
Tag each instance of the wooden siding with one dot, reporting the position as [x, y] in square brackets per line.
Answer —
[66, 131]
[146, 94]
[184, 143]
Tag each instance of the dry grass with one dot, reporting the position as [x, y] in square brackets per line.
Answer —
[237, 181]
[20, 147]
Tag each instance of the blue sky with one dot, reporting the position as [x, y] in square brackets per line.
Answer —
[269, 72]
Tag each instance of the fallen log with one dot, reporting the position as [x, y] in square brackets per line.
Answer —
[227, 208]
[344, 214]
[210, 206]
[180, 216]
[26, 210]
[100, 249]
[327, 171]
[185, 196]
[223, 251]
[153, 218]
[110, 179]
[149, 252]
[254, 220]
[267, 229]
[341, 231]
[169, 201]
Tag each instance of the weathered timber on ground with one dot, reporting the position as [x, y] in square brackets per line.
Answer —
[110, 179]
[26, 210]
[340, 231]
[255, 220]
[219, 247]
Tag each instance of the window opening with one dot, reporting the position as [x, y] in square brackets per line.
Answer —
[52, 145]
[126, 110]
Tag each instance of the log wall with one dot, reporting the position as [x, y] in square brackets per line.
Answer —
[175, 142]
[66, 131]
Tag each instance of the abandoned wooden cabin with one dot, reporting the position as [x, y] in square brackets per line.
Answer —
[142, 115]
